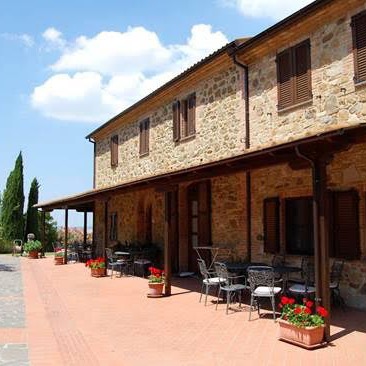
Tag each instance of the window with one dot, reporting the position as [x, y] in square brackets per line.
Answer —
[299, 226]
[114, 150]
[144, 136]
[113, 227]
[271, 225]
[294, 75]
[359, 46]
[184, 117]
[344, 238]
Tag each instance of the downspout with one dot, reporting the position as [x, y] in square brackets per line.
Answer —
[94, 161]
[247, 146]
[315, 217]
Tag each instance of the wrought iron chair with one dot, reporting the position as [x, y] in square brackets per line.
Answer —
[262, 284]
[72, 253]
[112, 263]
[209, 278]
[227, 284]
[277, 261]
[305, 289]
[335, 278]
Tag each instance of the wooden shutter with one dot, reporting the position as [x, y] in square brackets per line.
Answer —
[114, 150]
[346, 228]
[176, 121]
[144, 136]
[302, 77]
[191, 115]
[271, 225]
[285, 89]
[204, 213]
[359, 45]
[184, 117]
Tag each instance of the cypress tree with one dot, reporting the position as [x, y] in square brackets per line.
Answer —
[32, 221]
[12, 220]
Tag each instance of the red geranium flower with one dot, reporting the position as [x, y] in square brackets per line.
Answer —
[322, 312]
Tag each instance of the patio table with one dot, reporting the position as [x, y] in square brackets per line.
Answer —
[284, 271]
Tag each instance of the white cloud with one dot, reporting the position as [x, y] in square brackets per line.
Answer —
[24, 38]
[54, 37]
[96, 78]
[274, 9]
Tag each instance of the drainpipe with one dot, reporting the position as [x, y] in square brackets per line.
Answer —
[246, 99]
[248, 192]
[94, 162]
[321, 242]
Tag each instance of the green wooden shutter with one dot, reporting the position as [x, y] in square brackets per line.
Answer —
[271, 224]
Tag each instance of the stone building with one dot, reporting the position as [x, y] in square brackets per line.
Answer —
[258, 149]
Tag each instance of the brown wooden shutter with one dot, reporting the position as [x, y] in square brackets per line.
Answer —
[176, 121]
[346, 230]
[204, 214]
[144, 136]
[114, 150]
[191, 123]
[184, 117]
[285, 89]
[271, 225]
[142, 140]
[302, 65]
[359, 45]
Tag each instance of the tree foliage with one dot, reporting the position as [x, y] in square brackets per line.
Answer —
[50, 232]
[32, 217]
[12, 220]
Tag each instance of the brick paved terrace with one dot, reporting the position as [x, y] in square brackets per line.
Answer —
[72, 318]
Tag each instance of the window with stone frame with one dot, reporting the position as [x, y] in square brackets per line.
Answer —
[114, 151]
[299, 226]
[358, 24]
[113, 226]
[294, 75]
[184, 118]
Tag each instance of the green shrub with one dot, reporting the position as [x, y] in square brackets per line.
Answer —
[32, 246]
[5, 246]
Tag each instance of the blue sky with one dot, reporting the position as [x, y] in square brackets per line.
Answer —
[67, 66]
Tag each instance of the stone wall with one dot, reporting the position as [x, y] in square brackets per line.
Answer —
[336, 101]
[347, 171]
[228, 207]
[220, 133]
[130, 208]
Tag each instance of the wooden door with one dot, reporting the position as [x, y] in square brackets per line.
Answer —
[174, 230]
[199, 222]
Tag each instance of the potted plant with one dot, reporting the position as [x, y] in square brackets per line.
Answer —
[59, 257]
[97, 266]
[156, 282]
[302, 324]
[32, 247]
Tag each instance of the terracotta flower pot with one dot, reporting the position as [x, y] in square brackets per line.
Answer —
[33, 254]
[59, 260]
[97, 272]
[155, 289]
[308, 337]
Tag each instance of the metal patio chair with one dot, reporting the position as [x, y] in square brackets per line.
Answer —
[262, 284]
[335, 279]
[228, 285]
[113, 263]
[305, 289]
[209, 278]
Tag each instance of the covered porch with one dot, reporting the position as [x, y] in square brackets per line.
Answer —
[221, 204]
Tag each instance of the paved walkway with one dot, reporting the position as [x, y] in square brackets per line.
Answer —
[13, 347]
[74, 319]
